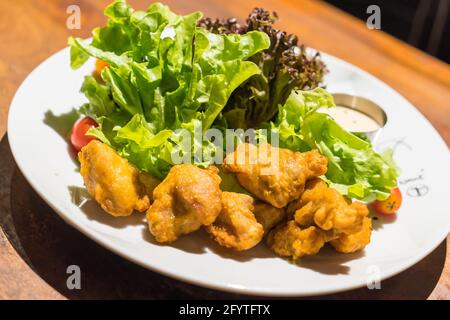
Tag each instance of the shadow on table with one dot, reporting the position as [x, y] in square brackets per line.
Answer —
[49, 245]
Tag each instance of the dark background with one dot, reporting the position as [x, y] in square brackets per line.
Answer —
[424, 24]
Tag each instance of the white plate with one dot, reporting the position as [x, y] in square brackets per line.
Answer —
[422, 223]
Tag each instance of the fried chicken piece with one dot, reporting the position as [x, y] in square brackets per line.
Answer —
[148, 183]
[290, 240]
[268, 216]
[113, 182]
[327, 209]
[188, 198]
[236, 226]
[356, 241]
[274, 175]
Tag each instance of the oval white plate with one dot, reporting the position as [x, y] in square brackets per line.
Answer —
[43, 156]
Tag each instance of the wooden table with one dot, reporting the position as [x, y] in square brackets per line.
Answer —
[36, 246]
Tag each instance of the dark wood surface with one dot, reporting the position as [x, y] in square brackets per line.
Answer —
[36, 246]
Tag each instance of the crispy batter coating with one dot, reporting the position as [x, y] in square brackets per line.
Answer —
[290, 240]
[325, 208]
[188, 198]
[268, 216]
[148, 183]
[274, 175]
[114, 183]
[236, 226]
[355, 241]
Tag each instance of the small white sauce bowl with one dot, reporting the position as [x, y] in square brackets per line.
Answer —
[365, 106]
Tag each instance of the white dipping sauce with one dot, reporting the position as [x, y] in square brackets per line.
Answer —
[351, 119]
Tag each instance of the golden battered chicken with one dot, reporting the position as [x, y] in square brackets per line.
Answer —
[148, 183]
[236, 226]
[114, 183]
[355, 241]
[268, 216]
[188, 198]
[327, 209]
[290, 240]
[274, 175]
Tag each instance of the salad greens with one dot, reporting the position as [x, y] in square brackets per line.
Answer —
[168, 72]
[285, 66]
[164, 73]
[354, 168]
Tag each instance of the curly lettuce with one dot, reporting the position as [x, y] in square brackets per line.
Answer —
[164, 74]
[355, 169]
[285, 65]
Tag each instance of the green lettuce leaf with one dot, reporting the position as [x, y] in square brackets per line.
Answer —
[164, 74]
[219, 68]
[99, 96]
[354, 168]
[285, 65]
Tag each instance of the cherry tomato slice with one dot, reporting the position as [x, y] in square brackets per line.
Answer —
[78, 138]
[391, 204]
[100, 65]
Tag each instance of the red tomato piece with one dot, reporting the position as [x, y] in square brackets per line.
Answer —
[78, 138]
[391, 204]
